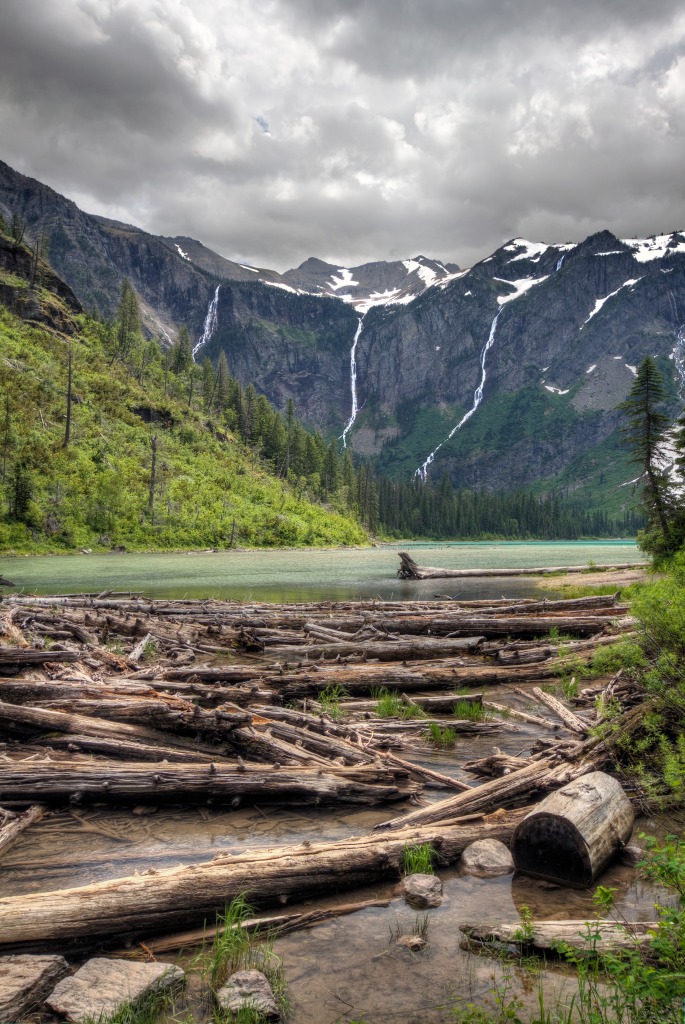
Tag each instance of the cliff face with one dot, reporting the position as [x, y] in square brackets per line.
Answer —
[522, 358]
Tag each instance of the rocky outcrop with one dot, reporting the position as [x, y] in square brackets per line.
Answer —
[25, 981]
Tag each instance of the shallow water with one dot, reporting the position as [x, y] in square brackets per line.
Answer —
[307, 575]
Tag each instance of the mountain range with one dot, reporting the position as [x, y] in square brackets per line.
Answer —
[506, 374]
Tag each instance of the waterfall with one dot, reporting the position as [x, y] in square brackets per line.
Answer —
[210, 324]
[560, 261]
[679, 359]
[353, 381]
[422, 472]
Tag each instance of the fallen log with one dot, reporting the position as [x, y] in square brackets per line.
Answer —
[160, 901]
[594, 936]
[21, 719]
[58, 781]
[391, 650]
[124, 750]
[496, 765]
[14, 659]
[573, 834]
[13, 825]
[571, 721]
[544, 774]
[409, 570]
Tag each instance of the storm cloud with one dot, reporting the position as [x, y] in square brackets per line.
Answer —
[352, 130]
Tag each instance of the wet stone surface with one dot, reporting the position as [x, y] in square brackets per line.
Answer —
[422, 891]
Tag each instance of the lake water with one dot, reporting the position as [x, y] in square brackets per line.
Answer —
[307, 574]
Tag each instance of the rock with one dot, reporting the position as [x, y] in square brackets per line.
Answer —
[102, 987]
[412, 942]
[422, 891]
[248, 989]
[487, 858]
[631, 854]
[25, 981]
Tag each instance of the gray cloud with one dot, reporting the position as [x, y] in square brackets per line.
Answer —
[354, 130]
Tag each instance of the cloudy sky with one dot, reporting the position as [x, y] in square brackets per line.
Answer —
[352, 129]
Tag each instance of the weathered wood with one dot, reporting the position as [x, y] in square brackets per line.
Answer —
[56, 782]
[409, 570]
[596, 936]
[571, 721]
[124, 750]
[523, 716]
[178, 897]
[13, 825]
[495, 765]
[573, 834]
[391, 650]
[14, 659]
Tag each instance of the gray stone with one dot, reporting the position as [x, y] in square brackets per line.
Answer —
[102, 987]
[248, 989]
[25, 981]
[412, 942]
[487, 858]
[422, 891]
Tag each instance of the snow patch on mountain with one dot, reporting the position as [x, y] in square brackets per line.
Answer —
[656, 247]
[181, 253]
[600, 302]
[346, 280]
[521, 285]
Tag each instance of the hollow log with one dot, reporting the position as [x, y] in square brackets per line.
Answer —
[159, 901]
[573, 834]
[601, 936]
[56, 782]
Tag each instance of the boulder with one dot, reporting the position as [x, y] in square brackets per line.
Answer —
[422, 891]
[487, 858]
[412, 942]
[248, 989]
[25, 981]
[103, 986]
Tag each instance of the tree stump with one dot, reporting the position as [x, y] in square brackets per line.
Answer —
[574, 833]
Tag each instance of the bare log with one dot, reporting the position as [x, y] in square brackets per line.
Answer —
[409, 570]
[598, 935]
[13, 825]
[571, 721]
[392, 650]
[56, 782]
[179, 897]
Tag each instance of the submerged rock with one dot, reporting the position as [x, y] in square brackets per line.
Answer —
[412, 942]
[486, 858]
[248, 989]
[25, 981]
[102, 987]
[422, 891]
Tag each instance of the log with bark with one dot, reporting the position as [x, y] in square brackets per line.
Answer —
[162, 900]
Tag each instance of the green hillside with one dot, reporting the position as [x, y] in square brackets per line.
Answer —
[98, 490]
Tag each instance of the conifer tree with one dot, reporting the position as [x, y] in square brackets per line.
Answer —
[127, 322]
[223, 384]
[643, 434]
[182, 353]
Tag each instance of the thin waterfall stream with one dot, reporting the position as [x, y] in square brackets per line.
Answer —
[353, 381]
[422, 472]
[211, 322]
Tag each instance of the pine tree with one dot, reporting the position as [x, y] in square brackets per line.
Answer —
[127, 322]
[643, 434]
[223, 384]
[182, 353]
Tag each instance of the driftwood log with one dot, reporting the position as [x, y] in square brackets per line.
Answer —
[601, 936]
[179, 897]
[13, 825]
[573, 834]
[409, 570]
